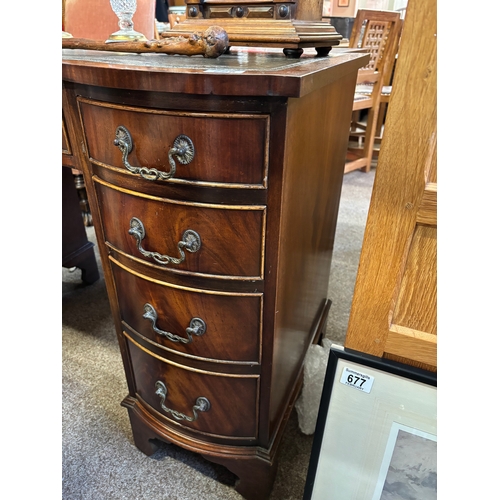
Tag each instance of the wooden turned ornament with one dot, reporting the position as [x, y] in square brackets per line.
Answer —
[292, 25]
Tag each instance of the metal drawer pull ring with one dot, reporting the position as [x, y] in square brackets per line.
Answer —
[196, 326]
[202, 404]
[183, 150]
[191, 242]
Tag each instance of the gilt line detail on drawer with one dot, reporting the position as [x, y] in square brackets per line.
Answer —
[179, 287]
[178, 202]
[252, 364]
[181, 272]
[185, 367]
[197, 431]
[173, 113]
[184, 181]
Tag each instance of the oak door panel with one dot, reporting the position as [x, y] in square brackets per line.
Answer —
[394, 308]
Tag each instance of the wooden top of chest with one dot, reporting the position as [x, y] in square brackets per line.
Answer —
[249, 72]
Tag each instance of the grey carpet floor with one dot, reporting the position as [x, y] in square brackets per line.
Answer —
[99, 458]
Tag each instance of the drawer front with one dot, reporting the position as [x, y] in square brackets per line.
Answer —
[229, 149]
[212, 240]
[201, 323]
[174, 392]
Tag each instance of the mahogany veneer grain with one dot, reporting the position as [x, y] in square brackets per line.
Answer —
[263, 194]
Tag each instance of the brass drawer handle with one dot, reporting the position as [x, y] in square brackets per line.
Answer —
[202, 404]
[191, 241]
[183, 150]
[196, 326]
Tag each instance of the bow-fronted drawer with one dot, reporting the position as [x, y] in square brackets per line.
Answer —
[222, 327]
[221, 241]
[217, 404]
[207, 149]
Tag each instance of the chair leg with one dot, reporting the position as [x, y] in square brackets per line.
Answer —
[381, 118]
[370, 137]
[354, 120]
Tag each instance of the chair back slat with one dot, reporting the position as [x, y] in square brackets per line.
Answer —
[376, 31]
[374, 39]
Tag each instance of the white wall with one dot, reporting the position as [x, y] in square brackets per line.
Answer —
[331, 7]
[374, 4]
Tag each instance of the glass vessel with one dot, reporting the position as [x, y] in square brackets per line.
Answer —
[125, 9]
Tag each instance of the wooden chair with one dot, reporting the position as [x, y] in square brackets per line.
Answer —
[378, 32]
[385, 96]
[174, 18]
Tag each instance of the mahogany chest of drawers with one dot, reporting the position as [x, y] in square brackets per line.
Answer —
[214, 187]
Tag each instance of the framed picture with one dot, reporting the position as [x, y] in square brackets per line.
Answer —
[343, 3]
[376, 433]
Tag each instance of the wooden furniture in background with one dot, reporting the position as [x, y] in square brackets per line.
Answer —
[218, 273]
[292, 25]
[174, 18]
[342, 24]
[77, 250]
[394, 309]
[83, 198]
[385, 96]
[377, 32]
